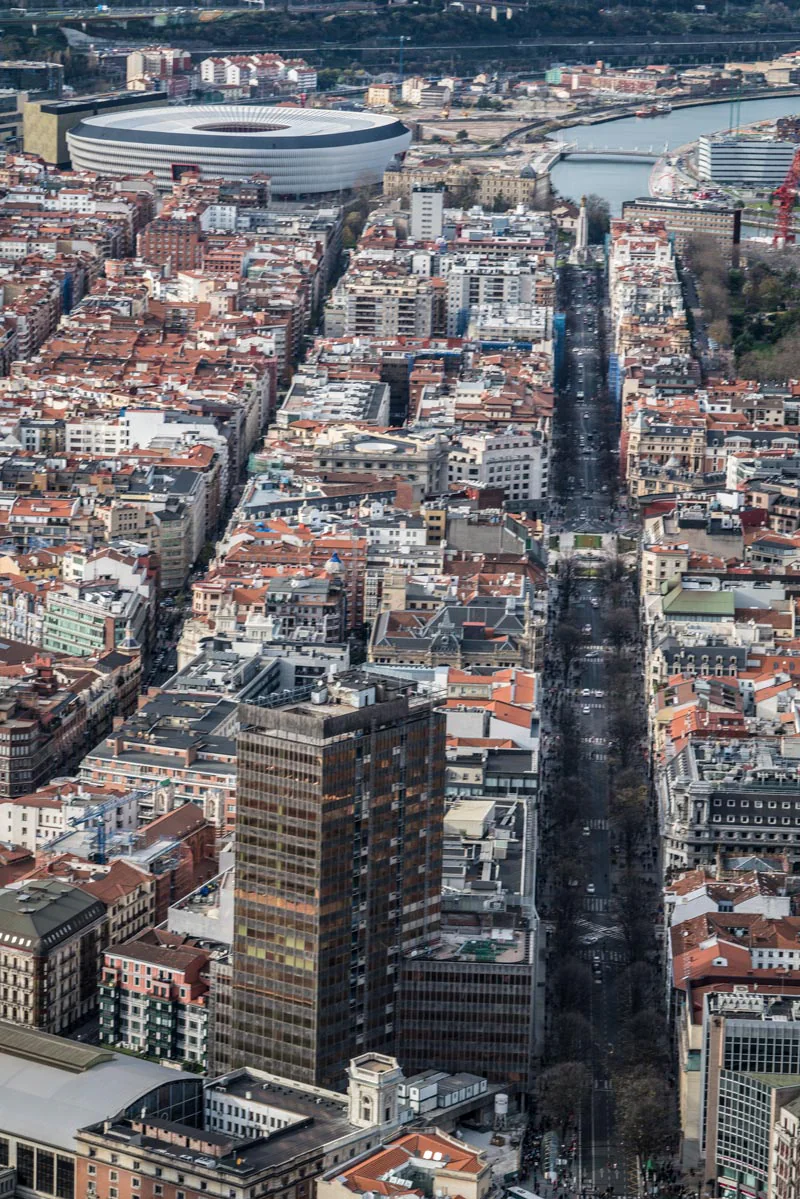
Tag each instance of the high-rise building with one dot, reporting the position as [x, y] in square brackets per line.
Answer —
[427, 211]
[339, 863]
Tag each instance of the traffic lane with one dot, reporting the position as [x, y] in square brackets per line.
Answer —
[592, 676]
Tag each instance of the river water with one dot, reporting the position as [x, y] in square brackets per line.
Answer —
[618, 181]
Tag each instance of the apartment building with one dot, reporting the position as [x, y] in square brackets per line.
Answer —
[159, 62]
[172, 240]
[38, 819]
[312, 610]
[740, 795]
[375, 305]
[153, 996]
[184, 737]
[90, 617]
[514, 460]
[50, 953]
[475, 280]
[687, 219]
[45, 721]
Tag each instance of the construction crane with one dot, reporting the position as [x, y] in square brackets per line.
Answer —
[735, 110]
[785, 197]
[402, 40]
[95, 817]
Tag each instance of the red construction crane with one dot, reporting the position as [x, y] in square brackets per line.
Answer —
[785, 196]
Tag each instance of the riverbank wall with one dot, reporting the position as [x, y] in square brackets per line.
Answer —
[545, 126]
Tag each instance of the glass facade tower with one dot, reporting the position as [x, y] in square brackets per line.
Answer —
[339, 865]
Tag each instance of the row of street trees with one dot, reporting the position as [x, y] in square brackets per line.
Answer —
[565, 1083]
[645, 1118]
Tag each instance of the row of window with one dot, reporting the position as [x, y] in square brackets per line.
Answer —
[785, 820]
[757, 803]
[40, 1170]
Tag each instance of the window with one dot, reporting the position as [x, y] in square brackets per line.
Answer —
[25, 1176]
[45, 1172]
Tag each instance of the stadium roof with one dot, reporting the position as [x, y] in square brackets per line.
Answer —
[241, 127]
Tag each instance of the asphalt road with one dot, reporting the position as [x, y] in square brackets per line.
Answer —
[587, 507]
[580, 423]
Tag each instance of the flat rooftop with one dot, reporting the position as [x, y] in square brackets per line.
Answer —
[503, 945]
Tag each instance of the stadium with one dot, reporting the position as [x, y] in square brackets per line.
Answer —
[307, 152]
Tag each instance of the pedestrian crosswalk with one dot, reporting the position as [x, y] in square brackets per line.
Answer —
[599, 824]
[595, 903]
[594, 932]
[596, 951]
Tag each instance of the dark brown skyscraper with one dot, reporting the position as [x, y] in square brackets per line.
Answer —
[339, 856]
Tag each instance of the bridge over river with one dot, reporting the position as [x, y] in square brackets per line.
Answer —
[609, 153]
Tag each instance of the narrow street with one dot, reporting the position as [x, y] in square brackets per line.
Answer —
[584, 503]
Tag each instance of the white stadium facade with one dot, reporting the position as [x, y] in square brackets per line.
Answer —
[306, 152]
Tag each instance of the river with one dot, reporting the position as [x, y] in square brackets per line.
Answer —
[618, 181]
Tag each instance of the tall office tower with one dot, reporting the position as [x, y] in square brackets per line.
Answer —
[427, 211]
[338, 872]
